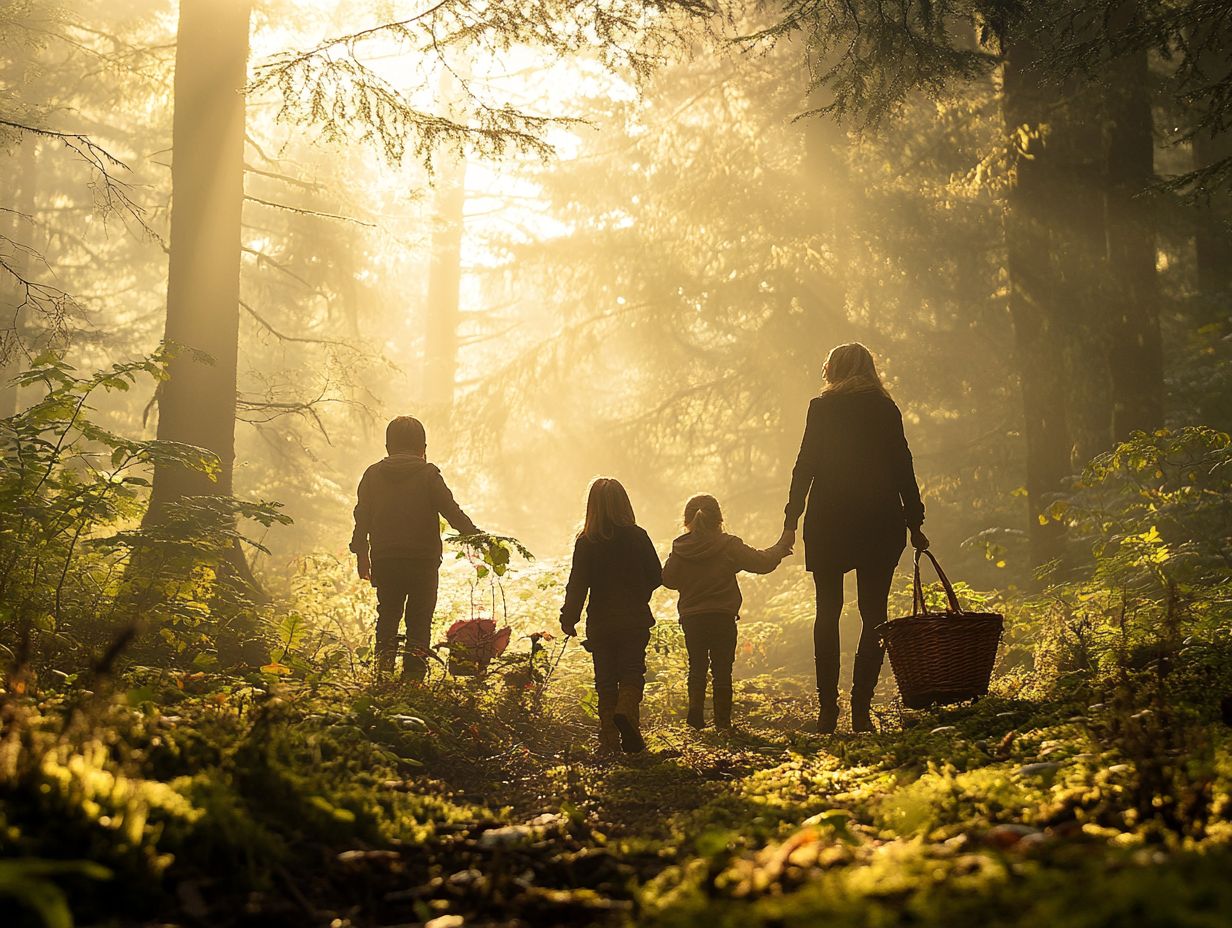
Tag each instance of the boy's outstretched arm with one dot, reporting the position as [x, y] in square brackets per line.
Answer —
[363, 523]
[448, 507]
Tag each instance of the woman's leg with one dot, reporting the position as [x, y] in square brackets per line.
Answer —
[873, 594]
[829, 583]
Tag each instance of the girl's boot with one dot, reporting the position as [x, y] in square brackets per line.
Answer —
[628, 720]
[609, 735]
[722, 706]
[697, 706]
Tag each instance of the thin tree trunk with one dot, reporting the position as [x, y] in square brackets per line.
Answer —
[1135, 348]
[445, 273]
[20, 231]
[197, 404]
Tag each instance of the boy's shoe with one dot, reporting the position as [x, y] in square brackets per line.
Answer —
[628, 721]
[827, 718]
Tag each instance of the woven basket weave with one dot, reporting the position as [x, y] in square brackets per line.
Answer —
[941, 657]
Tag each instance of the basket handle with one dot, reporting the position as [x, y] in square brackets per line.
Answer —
[917, 599]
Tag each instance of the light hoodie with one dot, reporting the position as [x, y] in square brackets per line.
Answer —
[397, 515]
[703, 567]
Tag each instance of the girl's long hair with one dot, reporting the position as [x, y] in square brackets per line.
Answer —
[607, 506]
[702, 514]
[850, 369]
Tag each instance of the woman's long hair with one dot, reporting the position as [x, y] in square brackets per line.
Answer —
[702, 514]
[607, 506]
[850, 369]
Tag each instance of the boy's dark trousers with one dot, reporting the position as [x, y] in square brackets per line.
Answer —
[404, 588]
[710, 639]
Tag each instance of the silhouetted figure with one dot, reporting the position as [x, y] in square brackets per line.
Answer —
[615, 563]
[703, 566]
[397, 542]
[855, 469]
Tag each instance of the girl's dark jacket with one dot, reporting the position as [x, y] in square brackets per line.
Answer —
[855, 469]
[703, 567]
[619, 573]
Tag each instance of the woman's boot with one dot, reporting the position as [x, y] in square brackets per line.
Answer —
[864, 682]
[628, 720]
[827, 715]
[722, 706]
[697, 706]
[827, 694]
[609, 735]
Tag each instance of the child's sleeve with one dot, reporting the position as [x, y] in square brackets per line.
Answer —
[363, 517]
[670, 570]
[576, 589]
[755, 560]
[448, 507]
[654, 570]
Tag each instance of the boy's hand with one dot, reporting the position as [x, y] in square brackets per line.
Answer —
[569, 628]
[919, 540]
[363, 566]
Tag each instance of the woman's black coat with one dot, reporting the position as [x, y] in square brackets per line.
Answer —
[856, 470]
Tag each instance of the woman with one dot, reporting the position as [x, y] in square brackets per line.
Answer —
[855, 469]
[616, 568]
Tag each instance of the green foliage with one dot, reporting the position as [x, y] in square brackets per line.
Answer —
[76, 563]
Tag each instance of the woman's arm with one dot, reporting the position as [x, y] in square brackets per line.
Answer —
[904, 474]
[805, 470]
[576, 589]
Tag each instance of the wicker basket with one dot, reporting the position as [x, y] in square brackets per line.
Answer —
[941, 657]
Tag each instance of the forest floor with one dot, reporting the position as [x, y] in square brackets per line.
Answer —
[482, 802]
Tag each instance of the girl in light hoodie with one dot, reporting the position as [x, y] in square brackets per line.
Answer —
[703, 567]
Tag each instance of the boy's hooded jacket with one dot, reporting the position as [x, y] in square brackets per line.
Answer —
[703, 567]
[400, 501]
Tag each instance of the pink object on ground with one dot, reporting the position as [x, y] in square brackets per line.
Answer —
[473, 643]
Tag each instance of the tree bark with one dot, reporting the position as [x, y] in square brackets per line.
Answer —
[196, 405]
[1135, 347]
[1035, 307]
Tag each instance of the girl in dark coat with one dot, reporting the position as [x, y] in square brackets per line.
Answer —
[614, 565]
[855, 469]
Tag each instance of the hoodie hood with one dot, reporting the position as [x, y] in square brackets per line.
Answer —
[401, 466]
[698, 546]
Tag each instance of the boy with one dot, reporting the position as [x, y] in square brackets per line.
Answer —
[397, 542]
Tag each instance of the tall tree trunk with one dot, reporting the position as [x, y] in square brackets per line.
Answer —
[1213, 230]
[1040, 334]
[196, 405]
[445, 285]
[1135, 347]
